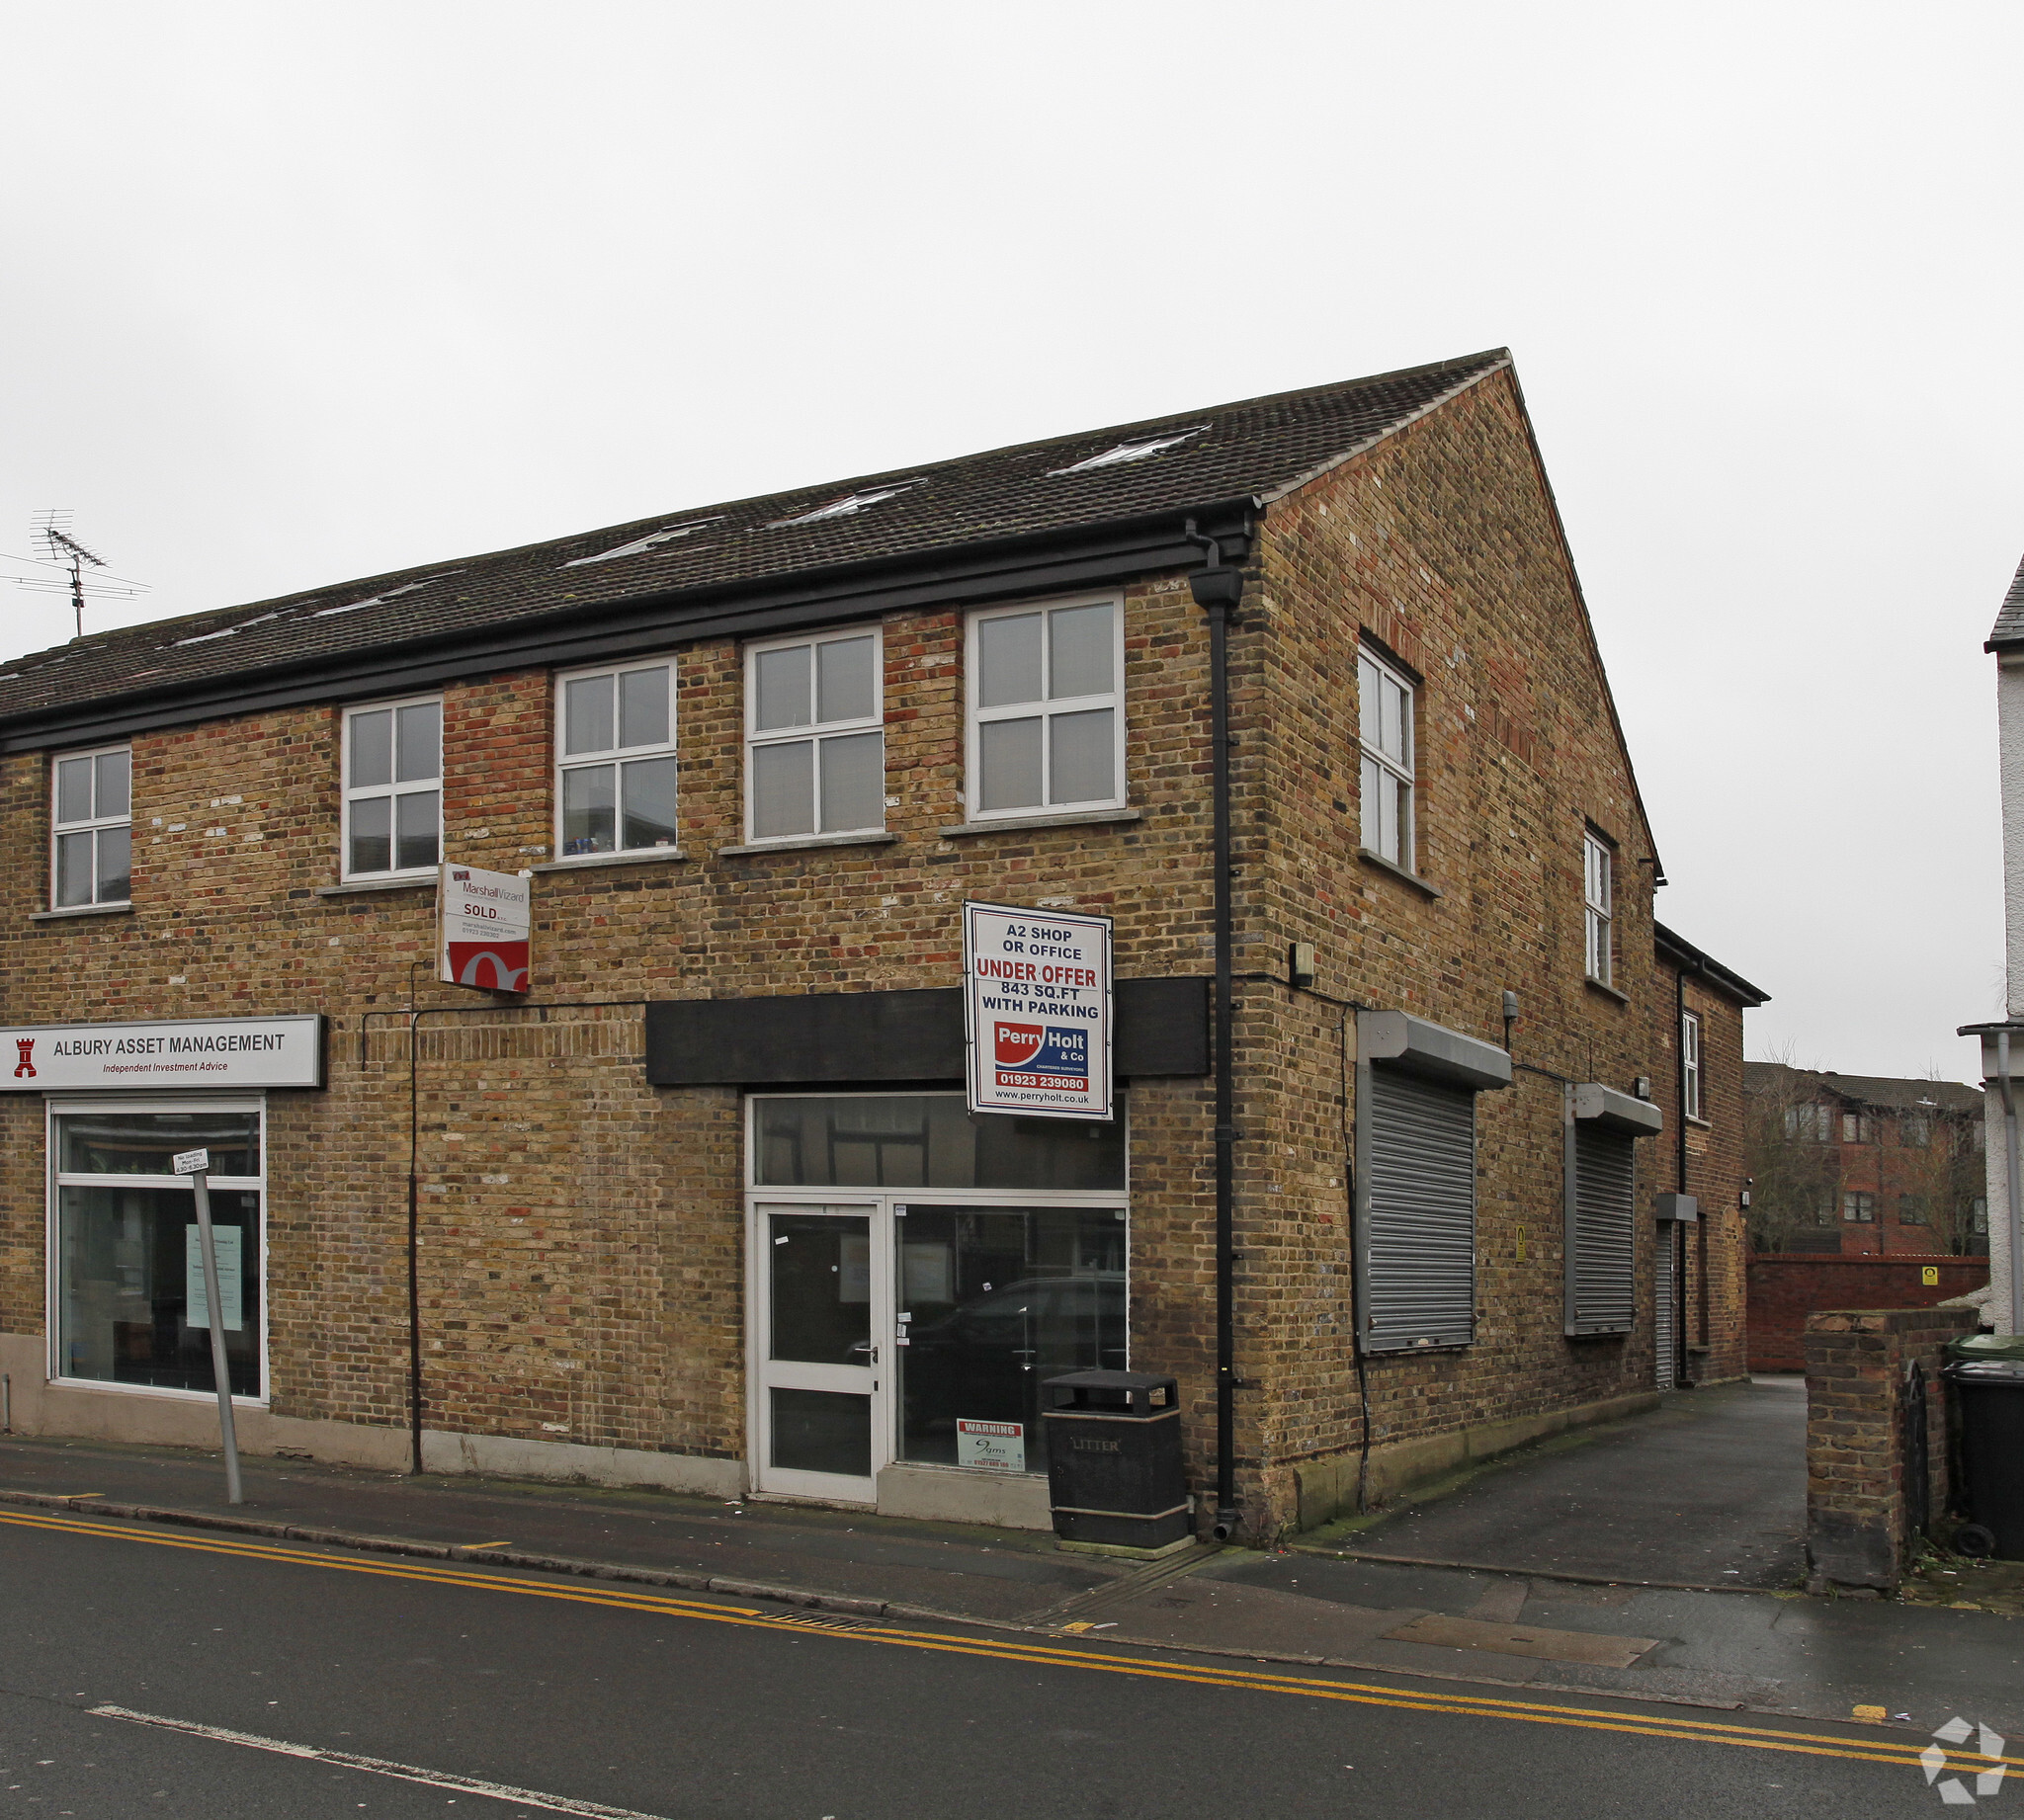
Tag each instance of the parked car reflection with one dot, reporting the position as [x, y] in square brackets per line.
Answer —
[986, 1358]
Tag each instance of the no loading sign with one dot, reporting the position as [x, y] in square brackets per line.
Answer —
[1036, 1012]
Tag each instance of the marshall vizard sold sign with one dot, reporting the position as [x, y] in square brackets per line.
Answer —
[1036, 1012]
[485, 920]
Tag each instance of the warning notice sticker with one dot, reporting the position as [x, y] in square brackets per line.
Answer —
[1037, 1009]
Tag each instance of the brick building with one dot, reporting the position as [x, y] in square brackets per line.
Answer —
[1857, 1165]
[704, 1207]
[1699, 1259]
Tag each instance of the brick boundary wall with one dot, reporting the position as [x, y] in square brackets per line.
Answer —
[1858, 1530]
[1788, 1286]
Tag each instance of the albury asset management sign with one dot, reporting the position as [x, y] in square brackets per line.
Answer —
[1036, 1012]
[208, 1052]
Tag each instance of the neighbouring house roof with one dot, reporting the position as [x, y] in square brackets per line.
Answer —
[1677, 950]
[2009, 625]
[1881, 1092]
[1190, 460]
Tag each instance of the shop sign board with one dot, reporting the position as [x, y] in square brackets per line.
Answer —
[1000, 1446]
[1036, 1012]
[484, 921]
[204, 1053]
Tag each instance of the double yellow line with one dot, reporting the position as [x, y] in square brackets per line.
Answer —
[1889, 1752]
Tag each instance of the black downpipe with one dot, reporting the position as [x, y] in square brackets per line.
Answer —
[1216, 589]
[1677, 1236]
[414, 1222]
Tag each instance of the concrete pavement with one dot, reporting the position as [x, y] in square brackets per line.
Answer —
[1709, 1488]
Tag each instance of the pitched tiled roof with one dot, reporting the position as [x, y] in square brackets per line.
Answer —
[2009, 627]
[1869, 1089]
[1094, 478]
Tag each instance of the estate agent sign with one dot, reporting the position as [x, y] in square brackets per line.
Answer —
[207, 1053]
[484, 921]
[1036, 1012]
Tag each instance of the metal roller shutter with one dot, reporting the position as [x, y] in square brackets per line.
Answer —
[1664, 1307]
[1418, 1233]
[1601, 1256]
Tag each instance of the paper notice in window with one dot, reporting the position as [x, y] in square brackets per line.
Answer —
[231, 1244]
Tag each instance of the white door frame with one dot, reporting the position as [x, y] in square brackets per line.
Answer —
[764, 1373]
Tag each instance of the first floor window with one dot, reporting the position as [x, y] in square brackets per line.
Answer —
[1813, 1124]
[392, 788]
[1858, 1129]
[1047, 723]
[1385, 734]
[1690, 1063]
[91, 825]
[128, 1273]
[815, 741]
[1858, 1208]
[1912, 1210]
[1598, 907]
[615, 779]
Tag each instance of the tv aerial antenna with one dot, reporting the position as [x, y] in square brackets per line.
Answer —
[63, 550]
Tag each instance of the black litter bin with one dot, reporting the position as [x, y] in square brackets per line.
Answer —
[1114, 1458]
[1987, 1376]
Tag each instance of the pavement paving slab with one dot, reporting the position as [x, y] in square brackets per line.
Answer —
[1515, 1640]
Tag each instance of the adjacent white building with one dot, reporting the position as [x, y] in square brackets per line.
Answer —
[2002, 1044]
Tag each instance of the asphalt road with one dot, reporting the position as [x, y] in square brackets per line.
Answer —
[596, 1698]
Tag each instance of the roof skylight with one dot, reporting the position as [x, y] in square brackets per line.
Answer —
[409, 587]
[1135, 451]
[846, 506]
[639, 545]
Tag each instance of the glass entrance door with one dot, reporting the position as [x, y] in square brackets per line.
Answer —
[824, 1311]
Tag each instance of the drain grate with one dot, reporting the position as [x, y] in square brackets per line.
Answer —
[824, 1621]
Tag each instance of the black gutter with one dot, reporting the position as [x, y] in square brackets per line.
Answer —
[1676, 948]
[1217, 588]
[590, 630]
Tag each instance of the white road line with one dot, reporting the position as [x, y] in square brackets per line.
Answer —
[380, 1766]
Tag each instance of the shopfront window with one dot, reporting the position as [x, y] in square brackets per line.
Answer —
[928, 1140]
[130, 1280]
[918, 1273]
[993, 1302]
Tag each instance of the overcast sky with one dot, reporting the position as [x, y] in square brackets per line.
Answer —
[296, 294]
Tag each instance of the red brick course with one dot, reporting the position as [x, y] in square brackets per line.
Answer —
[1786, 1288]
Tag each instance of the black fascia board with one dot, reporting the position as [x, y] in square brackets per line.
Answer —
[591, 631]
[1677, 950]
